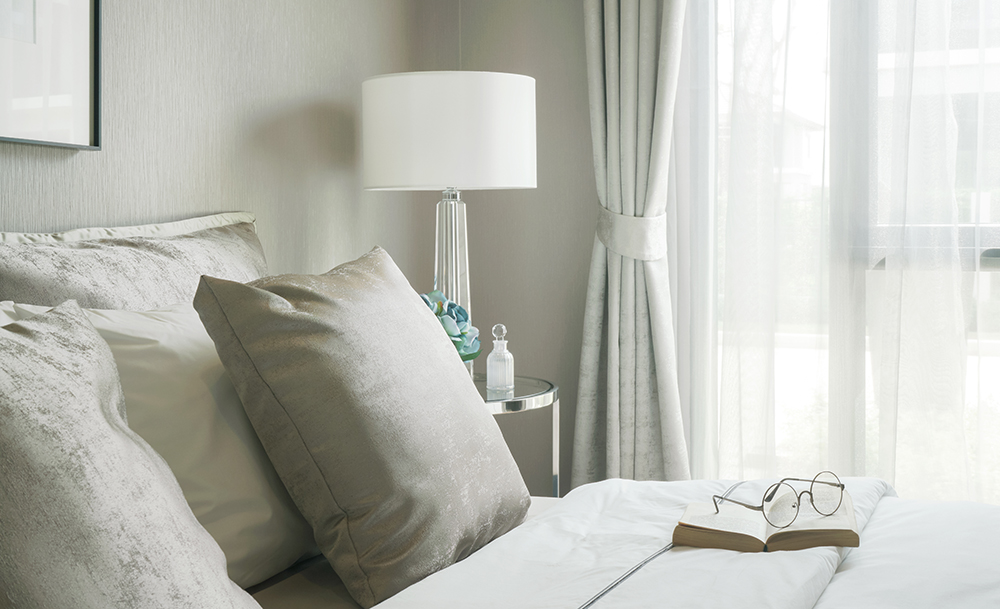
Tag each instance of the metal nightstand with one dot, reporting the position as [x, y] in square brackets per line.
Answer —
[530, 425]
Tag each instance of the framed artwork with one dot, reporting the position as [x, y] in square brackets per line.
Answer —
[50, 61]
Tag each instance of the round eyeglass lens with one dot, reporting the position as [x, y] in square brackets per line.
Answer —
[826, 492]
[783, 506]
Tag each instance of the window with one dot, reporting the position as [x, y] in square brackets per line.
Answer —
[857, 233]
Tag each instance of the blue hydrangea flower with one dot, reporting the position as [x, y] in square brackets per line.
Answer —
[455, 321]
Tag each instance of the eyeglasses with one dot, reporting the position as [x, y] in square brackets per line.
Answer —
[780, 504]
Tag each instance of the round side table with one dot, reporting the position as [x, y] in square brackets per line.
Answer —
[529, 421]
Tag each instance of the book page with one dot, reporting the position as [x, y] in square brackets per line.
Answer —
[811, 520]
[731, 517]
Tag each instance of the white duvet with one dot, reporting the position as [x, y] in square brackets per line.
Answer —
[912, 554]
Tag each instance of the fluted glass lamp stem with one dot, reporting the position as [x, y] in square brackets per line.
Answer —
[451, 255]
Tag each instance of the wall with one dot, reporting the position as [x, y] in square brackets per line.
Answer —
[530, 250]
[212, 105]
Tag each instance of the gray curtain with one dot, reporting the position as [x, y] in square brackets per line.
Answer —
[628, 420]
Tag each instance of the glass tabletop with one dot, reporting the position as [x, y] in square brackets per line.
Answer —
[529, 393]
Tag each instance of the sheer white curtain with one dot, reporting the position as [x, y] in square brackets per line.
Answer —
[849, 194]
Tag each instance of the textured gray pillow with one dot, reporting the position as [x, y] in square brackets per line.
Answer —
[151, 267]
[90, 515]
[370, 418]
[179, 398]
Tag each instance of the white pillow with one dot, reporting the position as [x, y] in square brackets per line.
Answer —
[179, 399]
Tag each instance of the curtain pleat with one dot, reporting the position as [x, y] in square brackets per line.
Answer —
[628, 421]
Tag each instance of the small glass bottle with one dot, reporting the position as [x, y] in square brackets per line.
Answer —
[500, 368]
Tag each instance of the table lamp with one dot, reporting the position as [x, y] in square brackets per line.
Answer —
[449, 131]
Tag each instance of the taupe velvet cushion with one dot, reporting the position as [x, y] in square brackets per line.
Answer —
[138, 268]
[370, 418]
[90, 515]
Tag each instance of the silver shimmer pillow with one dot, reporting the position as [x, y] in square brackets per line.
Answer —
[90, 515]
[137, 268]
[179, 398]
[370, 418]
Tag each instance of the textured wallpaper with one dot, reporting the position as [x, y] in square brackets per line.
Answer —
[226, 105]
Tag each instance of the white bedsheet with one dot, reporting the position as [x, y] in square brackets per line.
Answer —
[917, 554]
[913, 554]
[598, 532]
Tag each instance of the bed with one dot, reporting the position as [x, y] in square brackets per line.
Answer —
[912, 554]
[218, 457]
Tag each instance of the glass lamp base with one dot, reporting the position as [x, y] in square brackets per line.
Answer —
[451, 255]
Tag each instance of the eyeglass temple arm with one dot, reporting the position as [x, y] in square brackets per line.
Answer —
[717, 498]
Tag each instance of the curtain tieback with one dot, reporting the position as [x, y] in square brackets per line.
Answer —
[633, 236]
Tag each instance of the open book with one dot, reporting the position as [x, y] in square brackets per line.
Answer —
[738, 528]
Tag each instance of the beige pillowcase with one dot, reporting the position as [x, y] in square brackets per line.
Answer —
[370, 418]
[90, 516]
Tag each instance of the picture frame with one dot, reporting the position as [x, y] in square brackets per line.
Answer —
[50, 67]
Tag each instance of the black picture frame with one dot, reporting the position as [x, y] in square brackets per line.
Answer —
[94, 92]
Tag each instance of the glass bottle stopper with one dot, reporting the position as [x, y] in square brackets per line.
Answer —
[499, 331]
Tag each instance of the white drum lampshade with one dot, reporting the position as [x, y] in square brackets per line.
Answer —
[449, 131]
